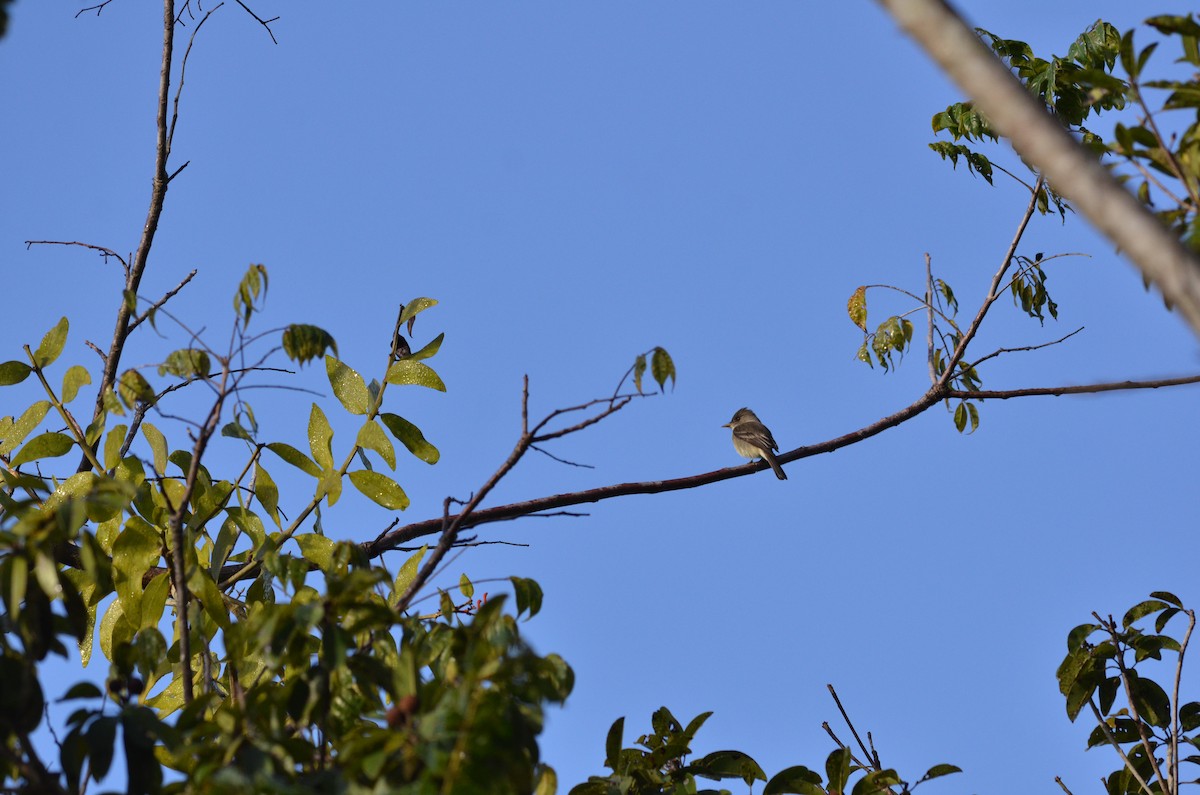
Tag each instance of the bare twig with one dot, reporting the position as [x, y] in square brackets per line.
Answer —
[158, 195]
[870, 757]
[999, 351]
[548, 454]
[1085, 389]
[994, 291]
[929, 307]
[179, 88]
[97, 8]
[266, 23]
[104, 252]
[158, 304]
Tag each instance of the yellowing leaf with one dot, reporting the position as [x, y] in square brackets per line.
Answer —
[21, 427]
[372, 437]
[47, 445]
[857, 308]
[407, 371]
[411, 437]
[52, 344]
[407, 573]
[75, 377]
[348, 386]
[317, 549]
[320, 438]
[295, 458]
[380, 488]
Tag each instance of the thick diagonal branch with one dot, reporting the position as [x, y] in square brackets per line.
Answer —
[1043, 143]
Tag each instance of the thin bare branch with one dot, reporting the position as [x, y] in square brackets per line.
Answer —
[845, 717]
[1084, 389]
[179, 88]
[97, 8]
[158, 195]
[929, 307]
[266, 23]
[105, 252]
[158, 304]
[999, 351]
[548, 454]
[993, 291]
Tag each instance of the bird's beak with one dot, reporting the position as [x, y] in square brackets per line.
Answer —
[727, 425]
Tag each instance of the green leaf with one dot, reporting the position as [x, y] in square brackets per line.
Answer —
[406, 575]
[413, 308]
[320, 438]
[113, 445]
[837, 769]
[465, 586]
[798, 779]
[234, 430]
[937, 771]
[267, 493]
[252, 286]
[529, 595]
[662, 367]
[47, 445]
[372, 437]
[137, 548]
[296, 458]
[348, 386]
[380, 488]
[1152, 702]
[409, 372]
[114, 629]
[15, 433]
[411, 437]
[52, 344]
[430, 348]
[14, 373]
[613, 743]
[133, 388]
[1141, 610]
[317, 548]
[75, 377]
[302, 343]
[158, 446]
[729, 764]
[639, 370]
[82, 690]
[1167, 596]
[186, 363]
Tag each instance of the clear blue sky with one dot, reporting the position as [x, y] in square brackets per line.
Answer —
[576, 183]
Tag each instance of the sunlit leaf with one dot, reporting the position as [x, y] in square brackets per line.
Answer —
[13, 372]
[411, 437]
[47, 445]
[380, 488]
[52, 344]
[409, 371]
[348, 386]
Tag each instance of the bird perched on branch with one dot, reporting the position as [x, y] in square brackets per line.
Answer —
[752, 439]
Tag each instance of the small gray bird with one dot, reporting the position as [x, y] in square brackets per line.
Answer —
[752, 439]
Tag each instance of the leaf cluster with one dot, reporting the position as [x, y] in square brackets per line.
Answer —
[1105, 671]
[658, 765]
